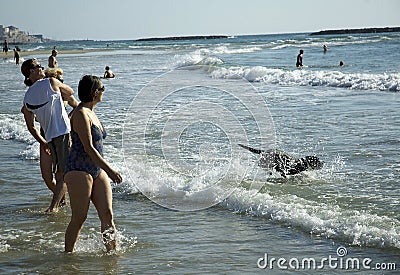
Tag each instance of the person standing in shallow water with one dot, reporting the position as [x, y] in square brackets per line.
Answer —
[44, 102]
[299, 62]
[53, 63]
[16, 56]
[108, 73]
[45, 160]
[5, 46]
[325, 48]
[86, 171]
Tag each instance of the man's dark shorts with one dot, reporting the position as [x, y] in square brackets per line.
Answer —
[60, 147]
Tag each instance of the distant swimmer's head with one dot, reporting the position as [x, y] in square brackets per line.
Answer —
[54, 52]
[341, 63]
[107, 68]
[301, 51]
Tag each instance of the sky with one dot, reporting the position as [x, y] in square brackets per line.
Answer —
[133, 19]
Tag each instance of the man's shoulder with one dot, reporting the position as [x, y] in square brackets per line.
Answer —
[37, 86]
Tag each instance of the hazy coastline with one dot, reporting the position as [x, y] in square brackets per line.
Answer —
[22, 53]
[362, 30]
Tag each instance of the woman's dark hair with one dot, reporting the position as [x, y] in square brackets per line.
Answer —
[87, 87]
[26, 67]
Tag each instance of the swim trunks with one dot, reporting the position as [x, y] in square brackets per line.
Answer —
[59, 148]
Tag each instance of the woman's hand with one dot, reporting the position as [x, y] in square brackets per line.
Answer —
[114, 176]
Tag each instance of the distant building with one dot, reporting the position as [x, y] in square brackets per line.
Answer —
[38, 36]
[13, 35]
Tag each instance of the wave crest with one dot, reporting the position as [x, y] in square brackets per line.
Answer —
[353, 81]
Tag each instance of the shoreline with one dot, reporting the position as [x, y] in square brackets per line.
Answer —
[193, 37]
[10, 53]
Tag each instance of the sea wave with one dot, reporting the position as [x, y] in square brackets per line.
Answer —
[353, 81]
[13, 128]
[332, 76]
[198, 57]
[209, 56]
[37, 48]
[318, 218]
[312, 42]
[358, 228]
[227, 50]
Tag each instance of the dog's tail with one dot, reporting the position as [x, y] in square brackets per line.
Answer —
[255, 151]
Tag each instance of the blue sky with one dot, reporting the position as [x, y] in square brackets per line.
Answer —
[132, 19]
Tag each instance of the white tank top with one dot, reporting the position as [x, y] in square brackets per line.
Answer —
[48, 106]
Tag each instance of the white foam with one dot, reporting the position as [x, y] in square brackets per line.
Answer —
[89, 241]
[331, 221]
[38, 48]
[208, 56]
[279, 47]
[353, 81]
[12, 127]
[207, 184]
[32, 152]
[198, 57]
[227, 50]
[4, 246]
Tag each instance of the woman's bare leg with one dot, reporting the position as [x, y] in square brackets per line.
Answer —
[102, 200]
[79, 189]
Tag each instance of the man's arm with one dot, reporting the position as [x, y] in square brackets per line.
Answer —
[66, 91]
[72, 101]
[30, 124]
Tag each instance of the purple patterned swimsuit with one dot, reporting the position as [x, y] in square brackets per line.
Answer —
[78, 159]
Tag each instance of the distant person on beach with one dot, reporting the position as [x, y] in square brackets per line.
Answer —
[341, 63]
[43, 102]
[16, 56]
[53, 63]
[5, 46]
[87, 171]
[108, 73]
[325, 48]
[299, 62]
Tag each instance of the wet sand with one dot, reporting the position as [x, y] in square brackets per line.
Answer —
[10, 53]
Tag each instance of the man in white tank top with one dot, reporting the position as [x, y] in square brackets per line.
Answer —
[48, 106]
[44, 102]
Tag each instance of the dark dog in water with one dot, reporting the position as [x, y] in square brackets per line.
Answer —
[283, 163]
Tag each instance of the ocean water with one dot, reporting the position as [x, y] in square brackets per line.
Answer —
[192, 201]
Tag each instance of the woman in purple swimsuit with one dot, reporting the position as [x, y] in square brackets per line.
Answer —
[86, 172]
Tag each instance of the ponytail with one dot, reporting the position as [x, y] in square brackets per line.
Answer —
[25, 70]
[28, 82]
